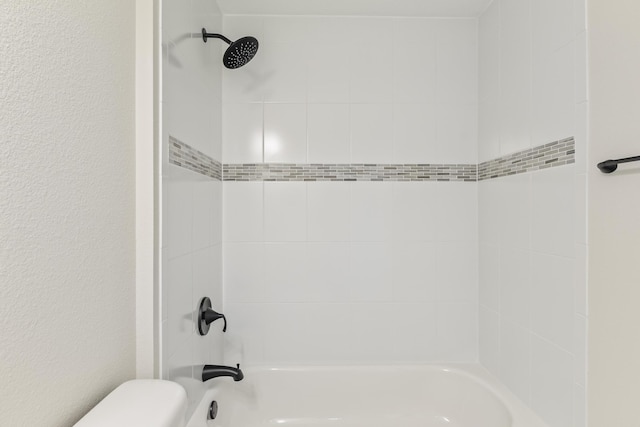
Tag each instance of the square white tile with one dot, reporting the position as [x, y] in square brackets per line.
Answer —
[457, 69]
[285, 211]
[553, 208]
[489, 277]
[178, 224]
[414, 133]
[457, 212]
[370, 273]
[285, 70]
[329, 216]
[244, 270]
[457, 332]
[285, 133]
[243, 212]
[371, 211]
[242, 133]
[551, 383]
[516, 221]
[407, 347]
[370, 71]
[457, 133]
[414, 272]
[244, 342]
[371, 133]
[515, 359]
[414, 65]
[285, 273]
[328, 271]
[489, 340]
[552, 299]
[457, 272]
[415, 211]
[206, 206]
[329, 133]
[516, 286]
[328, 71]
[177, 286]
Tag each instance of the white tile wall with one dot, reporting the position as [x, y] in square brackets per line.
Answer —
[533, 252]
[329, 94]
[191, 215]
[341, 265]
[191, 270]
[532, 74]
[325, 272]
[366, 248]
[532, 296]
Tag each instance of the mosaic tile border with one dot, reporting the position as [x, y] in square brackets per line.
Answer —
[349, 172]
[553, 154]
[185, 156]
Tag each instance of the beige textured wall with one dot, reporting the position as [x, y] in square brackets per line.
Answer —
[67, 207]
[614, 215]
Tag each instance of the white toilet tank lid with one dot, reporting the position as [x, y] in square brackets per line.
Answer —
[140, 403]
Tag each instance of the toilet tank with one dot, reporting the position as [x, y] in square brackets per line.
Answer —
[140, 403]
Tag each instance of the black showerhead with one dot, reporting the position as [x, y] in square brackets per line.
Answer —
[238, 53]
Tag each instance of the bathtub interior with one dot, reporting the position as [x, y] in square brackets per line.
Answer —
[408, 396]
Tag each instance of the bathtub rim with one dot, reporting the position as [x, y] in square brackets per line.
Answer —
[521, 414]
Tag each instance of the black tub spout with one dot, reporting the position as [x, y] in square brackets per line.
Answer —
[215, 371]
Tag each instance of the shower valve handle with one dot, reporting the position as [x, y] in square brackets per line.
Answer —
[211, 316]
[207, 315]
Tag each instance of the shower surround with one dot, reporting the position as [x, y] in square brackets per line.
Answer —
[378, 266]
[404, 199]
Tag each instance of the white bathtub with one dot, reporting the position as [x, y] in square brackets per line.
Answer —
[405, 396]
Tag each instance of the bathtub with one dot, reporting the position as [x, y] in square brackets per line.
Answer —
[398, 396]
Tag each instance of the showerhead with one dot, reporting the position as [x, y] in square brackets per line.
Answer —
[239, 52]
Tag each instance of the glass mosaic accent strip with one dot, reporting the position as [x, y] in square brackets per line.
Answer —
[183, 155]
[349, 172]
[550, 155]
[553, 154]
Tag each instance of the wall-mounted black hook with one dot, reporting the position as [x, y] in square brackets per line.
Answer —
[206, 316]
[611, 166]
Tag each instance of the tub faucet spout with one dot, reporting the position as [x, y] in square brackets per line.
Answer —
[215, 371]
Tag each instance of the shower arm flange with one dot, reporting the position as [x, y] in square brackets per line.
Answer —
[206, 36]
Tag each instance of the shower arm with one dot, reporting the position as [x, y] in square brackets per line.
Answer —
[206, 36]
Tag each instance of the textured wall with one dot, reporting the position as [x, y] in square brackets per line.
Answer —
[614, 209]
[67, 207]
